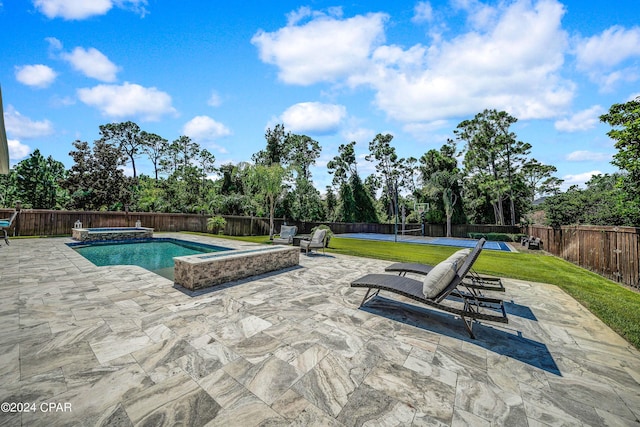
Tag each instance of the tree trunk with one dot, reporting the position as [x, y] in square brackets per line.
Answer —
[133, 166]
[513, 210]
[272, 212]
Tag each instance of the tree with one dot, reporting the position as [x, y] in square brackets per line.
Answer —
[301, 153]
[126, 136]
[267, 183]
[441, 179]
[625, 120]
[388, 166]
[355, 204]
[539, 179]
[276, 147]
[38, 181]
[598, 204]
[364, 208]
[331, 204]
[96, 180]
[8, 188]
[444, 183]
[493, 160]
[155, 147]
[186, 149]
[206, 161]
[343, 165]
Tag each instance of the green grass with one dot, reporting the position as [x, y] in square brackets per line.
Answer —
[616, 305]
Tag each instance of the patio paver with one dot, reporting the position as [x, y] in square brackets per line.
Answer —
[122, 346]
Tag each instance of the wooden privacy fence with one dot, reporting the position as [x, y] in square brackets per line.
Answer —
[41, 222]
[612, 252]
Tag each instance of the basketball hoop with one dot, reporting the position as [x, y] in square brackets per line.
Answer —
[421, 208]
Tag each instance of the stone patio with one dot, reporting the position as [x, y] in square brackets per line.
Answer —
[121, 346]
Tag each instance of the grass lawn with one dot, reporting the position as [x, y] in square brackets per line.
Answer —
[614, 304]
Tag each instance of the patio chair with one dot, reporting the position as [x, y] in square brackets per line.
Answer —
[472, 280]
[6, 224]
[286, 235]
[440, 289]
[316, 242]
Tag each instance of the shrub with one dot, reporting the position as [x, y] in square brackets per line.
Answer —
[216, 224]
[497, 237]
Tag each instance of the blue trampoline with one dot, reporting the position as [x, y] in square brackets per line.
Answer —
[441, 241]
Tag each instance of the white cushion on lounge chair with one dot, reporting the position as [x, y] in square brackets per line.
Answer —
[438, 278]
[460, 256]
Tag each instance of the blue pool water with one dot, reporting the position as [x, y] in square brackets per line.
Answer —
[153, 254]
[443, 241]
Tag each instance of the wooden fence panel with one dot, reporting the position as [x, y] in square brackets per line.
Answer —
[613, 252]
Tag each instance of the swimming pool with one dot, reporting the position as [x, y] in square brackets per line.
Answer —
[155, 255]
[441, 241]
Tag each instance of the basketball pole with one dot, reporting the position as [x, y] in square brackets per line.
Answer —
[395, 237]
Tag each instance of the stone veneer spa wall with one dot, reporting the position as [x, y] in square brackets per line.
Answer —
[201, 271]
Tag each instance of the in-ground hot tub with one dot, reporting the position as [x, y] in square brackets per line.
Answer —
[111, 233]
[202, 271]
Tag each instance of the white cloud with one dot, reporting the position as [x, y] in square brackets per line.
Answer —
[588, 156]
[608, 49]
[322, 50]
[204, 128]
[511, 59]
[437, 131]
[17, 150]
[54, 43]
[581, 121]
[128, 100]
[361, 135]
[83, 9]
[37, 75]
[214, 100]
[514, 65]
[298, 15]
[423, 12]
[606, 57]
[92, 63]
[314, 118]
[579, 179]
[19, 126]
[72, 9]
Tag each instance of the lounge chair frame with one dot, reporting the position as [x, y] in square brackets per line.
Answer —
[5, 228]
[473, 281]
[475, 307]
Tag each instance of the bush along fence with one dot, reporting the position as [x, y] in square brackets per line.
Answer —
[612, 252]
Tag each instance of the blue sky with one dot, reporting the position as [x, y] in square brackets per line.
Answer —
[222, 72]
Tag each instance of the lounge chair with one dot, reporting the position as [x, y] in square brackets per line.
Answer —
[316, 242]
[6, 224]
[286, 235]
[531, 242]
[440, 288]
[472, 280]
